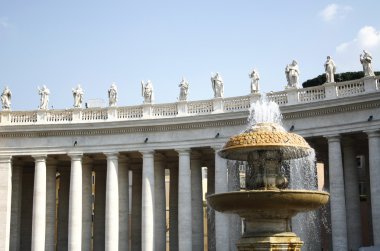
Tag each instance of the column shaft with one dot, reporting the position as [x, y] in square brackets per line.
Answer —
[147, 233]
[337, 198]
[197, 203]
[184, 201]
[160, 205]
[15, 236]
[221, 220]
[75, 204]
[112, 203]
[86, 205]
[51, 204]
[354, 232]
[39, 204]
[123, 205]
[5, 202]
[374, 170]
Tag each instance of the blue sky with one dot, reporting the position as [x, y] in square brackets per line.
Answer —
[61, 44]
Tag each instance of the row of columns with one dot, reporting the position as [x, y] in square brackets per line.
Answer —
[148, 211]
[344, 191]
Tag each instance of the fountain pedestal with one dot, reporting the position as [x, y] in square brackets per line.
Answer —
[286, 241]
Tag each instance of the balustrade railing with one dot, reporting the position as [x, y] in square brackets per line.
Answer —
[130, 112]
[23, 117]
[350, 88]
[237, 103]
[312, 94]
[200, 107]
[184, 108]
[165, 110]
[59, 116]
[281, 98]
[94, 114]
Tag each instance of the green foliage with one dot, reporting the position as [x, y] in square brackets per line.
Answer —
[345, 76]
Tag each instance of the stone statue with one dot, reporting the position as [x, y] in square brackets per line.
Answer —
[78, 96]
[330, 69]
[292, 73]
[254, 76]
[217, 85]
[112, 95]
[366, 60]
[6, 98]
[183, 90]
[147, 91]
[44, 97]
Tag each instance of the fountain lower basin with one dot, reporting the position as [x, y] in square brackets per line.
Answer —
[266, 202]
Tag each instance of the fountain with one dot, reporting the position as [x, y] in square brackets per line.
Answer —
[267, 205]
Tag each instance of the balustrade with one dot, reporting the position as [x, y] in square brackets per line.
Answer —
[237, 103]
[350, 88]
[184, 108]
[281, 98]
[312, 94]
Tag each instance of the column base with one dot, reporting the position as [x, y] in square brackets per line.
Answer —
[286, 241]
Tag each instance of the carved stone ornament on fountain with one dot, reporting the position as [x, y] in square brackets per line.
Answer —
[267, 205]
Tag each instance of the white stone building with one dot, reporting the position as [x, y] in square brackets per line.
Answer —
[45, 149]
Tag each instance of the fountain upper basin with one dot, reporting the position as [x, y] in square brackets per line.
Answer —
[277, 203]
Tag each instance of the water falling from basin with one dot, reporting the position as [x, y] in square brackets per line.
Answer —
[267, 205]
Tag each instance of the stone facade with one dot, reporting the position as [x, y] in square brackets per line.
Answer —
[340, 120]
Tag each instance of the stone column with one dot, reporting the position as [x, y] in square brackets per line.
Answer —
[86, 204]
[221, 220]
[184, 200]
[5, 202]
[51, 176]
[234, 219]
[75, 203]
[99, 208]
[136, 209]
[337, 198]
[112, 203]
[210, 210]
[354, 231]
[197, 201]
[123, 204]
[63, 208]
[39, 204]
[173, 208]
[374, 171]
[160, 204]
[147, 227]
[15, 236]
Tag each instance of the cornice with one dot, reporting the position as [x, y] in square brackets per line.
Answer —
[125, 130]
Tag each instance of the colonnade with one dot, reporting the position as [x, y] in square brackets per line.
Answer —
[345, 212]
[103, 221]
[118, 220]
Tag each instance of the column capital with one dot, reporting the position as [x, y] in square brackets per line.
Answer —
[5, 158]
[75, 155]
[111, 155]
[147, 153]
[183, 151]
[373, 133]
[39, 157]
[332, 138]
[217, 148]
